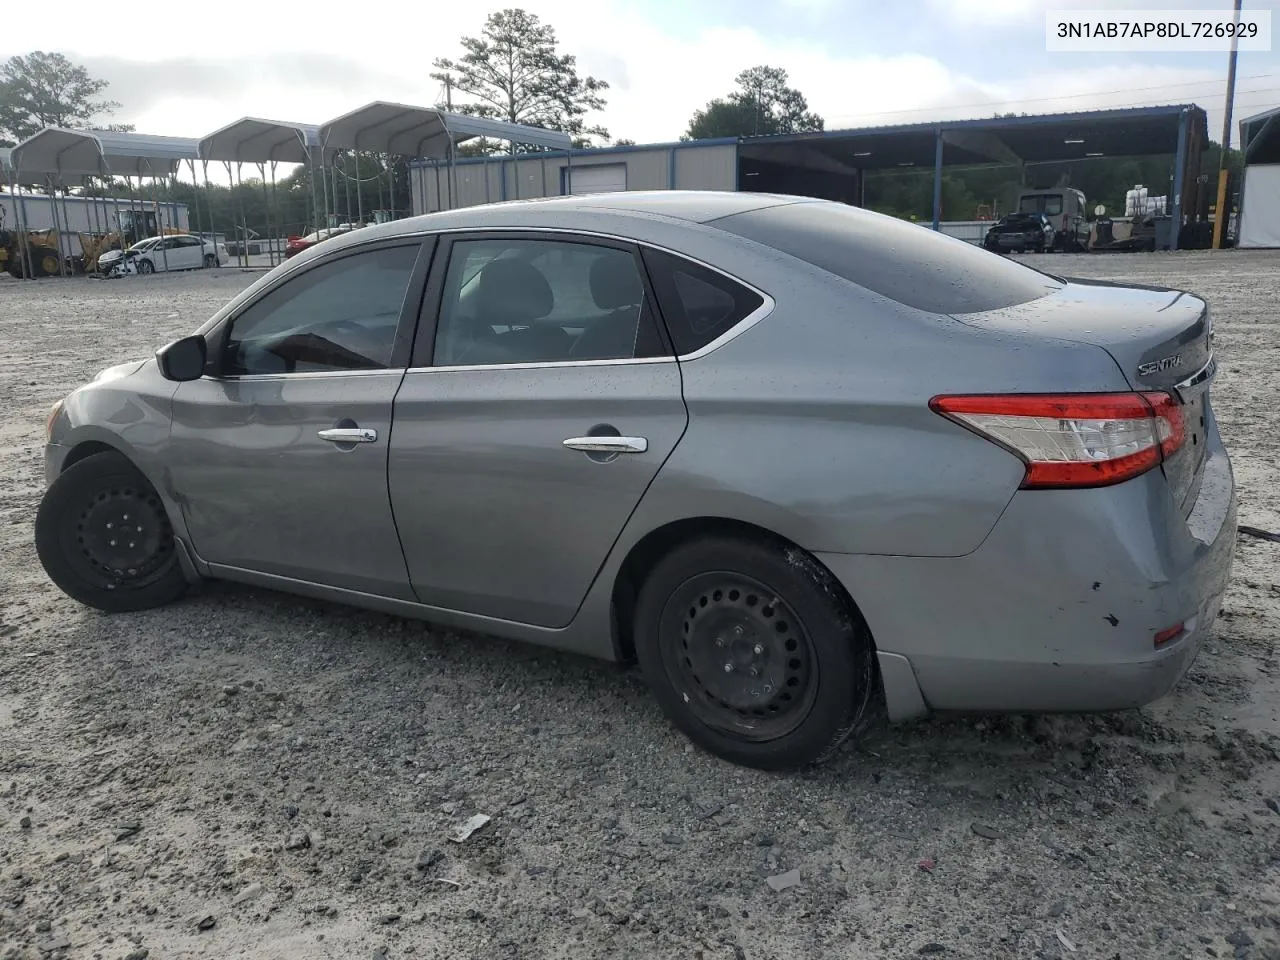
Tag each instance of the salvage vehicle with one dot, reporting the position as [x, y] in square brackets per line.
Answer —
[1020, 232]
[810, 466]
[181, 251]
[1067, 212]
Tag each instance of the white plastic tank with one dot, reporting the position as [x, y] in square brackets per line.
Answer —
[1135, 201]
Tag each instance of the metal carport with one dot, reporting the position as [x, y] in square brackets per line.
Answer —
[840, 158]
[59, 152]
[425, 133]
[258, 141]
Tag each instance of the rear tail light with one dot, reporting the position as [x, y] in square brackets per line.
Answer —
[1074, 440]
[1172, 633]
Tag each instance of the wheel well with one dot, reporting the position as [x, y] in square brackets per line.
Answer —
[86, 449]
[658, 543]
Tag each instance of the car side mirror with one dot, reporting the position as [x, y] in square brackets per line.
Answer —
[183, 359]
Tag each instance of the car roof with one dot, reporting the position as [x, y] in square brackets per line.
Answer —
[589, 211]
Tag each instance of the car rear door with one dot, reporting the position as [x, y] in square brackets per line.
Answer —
[542, 400]
[189, 253]
[278, 455]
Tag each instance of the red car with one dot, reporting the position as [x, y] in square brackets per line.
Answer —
[296, 245]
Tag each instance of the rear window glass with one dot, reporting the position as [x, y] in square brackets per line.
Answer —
[903, 261]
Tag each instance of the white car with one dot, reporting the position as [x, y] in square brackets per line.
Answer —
[179, 251]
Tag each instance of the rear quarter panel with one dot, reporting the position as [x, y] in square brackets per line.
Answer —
[814, 423]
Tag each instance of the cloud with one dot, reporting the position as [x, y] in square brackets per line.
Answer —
[659, 72]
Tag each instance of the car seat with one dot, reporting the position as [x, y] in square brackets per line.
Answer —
[515, 295]
[616, 287]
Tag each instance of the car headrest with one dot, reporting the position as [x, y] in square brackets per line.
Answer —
[614, 281]
[512, 291]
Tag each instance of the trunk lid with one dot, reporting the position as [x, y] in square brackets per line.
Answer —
[1162, 339]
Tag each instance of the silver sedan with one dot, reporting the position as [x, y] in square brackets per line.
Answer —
[808, 465]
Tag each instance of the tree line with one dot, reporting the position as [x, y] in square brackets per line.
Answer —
[514, 70]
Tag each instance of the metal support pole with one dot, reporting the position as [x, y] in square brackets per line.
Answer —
[160, 232]
[391, 186]
[1221, 214]
[208, 197]
[359, 191]
[383, 170]
[24, 230]
[241, 225]
[277, 256]
[311, 175]
[195, 205]
[266, 201]
[15, 197]
[50, 184]
[335, 216]
[63, 257]
[1179, 174]
[98, 233]
[937, 181]
[346, 188]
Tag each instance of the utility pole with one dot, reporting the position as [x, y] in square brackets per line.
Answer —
[1220, 212]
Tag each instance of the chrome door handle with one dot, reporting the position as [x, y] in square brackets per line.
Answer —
[349, 435]
[608, 444]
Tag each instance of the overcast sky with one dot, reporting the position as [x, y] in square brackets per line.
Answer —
[859, 62]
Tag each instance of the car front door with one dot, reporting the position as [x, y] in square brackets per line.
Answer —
[279, 454]
[542, 400]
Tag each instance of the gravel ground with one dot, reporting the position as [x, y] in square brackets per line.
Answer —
[245, 774]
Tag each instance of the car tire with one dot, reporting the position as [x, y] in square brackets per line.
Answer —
[210, 261]
[78, 537]
[713, 610]
[146, 266]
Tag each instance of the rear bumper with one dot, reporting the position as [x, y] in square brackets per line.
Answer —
[1058, 609]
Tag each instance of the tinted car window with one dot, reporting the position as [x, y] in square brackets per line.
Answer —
[903, 261]
[542, 301]
[698, 304]
[340, 315]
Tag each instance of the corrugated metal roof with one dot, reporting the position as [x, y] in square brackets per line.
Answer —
[916, 142]
[254, 140]
[595, 151]
[410, 131]
[56, 150]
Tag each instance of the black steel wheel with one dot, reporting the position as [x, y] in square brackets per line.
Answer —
[744, 653]
[753, 651]
[210, 261]
[103, 536]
